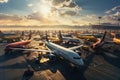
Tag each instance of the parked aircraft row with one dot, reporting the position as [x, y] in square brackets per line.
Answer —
[9, 37]
[68, 54]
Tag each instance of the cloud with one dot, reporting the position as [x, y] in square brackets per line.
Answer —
[110, 19]
[9, 17]
[65, 8]
[30, 5]
[113, 15]
[113, 10]
[70, 5]
[75, 22]
[58, 2]
[3, 1]
[117, 8]
[35, 16]
[6, 19]
[117, 14]
[108, 12]
[53, 9]
[68, 13]
[31, 19]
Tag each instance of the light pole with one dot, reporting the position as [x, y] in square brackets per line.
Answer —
[99, 22]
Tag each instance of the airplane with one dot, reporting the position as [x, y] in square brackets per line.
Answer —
[100, 42]
[94, 47]
[59, 51]
[115, 39]
[68, 39]
[9, 37]
[89, 37]
[19, 44]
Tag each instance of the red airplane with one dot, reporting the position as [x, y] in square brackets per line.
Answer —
[20, 44]
[100, 42]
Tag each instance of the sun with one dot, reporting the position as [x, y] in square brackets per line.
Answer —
[45, 9]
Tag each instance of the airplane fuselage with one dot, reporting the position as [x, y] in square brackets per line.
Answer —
[66, 53]
[70, 39]
[16, 45]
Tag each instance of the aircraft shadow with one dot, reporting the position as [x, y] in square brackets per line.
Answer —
[12, 55]
[111, 54]
[21, 65]
[69, 72]
[27, 74]
[112, 60]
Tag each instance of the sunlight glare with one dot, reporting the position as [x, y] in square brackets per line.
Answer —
[45, 9]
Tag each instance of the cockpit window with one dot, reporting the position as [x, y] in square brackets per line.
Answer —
[76, 57]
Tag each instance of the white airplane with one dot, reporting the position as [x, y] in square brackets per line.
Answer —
[60, 51]
[68, 39]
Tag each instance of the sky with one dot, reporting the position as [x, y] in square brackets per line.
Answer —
[59, 12]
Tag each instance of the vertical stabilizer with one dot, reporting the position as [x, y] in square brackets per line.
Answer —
[47, 37]
[100, 42]
[103, 38]
[60, 36]
[30, 35]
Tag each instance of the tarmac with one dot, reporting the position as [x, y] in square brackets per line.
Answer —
[15, 66]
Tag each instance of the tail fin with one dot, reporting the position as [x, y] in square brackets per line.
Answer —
[30, 35]
[22, 35]
[60, 36]
[1, 32]
[47, 37]
[100, 42]
[113, 34]
[103, 38]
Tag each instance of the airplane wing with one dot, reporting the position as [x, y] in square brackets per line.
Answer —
[34, 50]
[76, 47]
